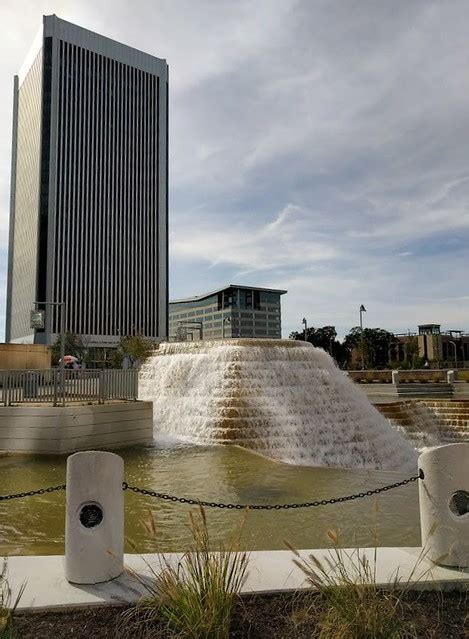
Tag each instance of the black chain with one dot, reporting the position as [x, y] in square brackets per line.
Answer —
[308, 504]
[31, 493]
[212, 504]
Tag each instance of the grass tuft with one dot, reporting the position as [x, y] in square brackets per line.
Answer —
[352, 605]
[195, 598]
[7, 607]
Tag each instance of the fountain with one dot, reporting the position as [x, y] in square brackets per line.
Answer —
[283, 399]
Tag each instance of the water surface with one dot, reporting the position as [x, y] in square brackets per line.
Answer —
[35, 525]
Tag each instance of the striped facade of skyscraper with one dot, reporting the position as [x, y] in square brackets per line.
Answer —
[89, 219]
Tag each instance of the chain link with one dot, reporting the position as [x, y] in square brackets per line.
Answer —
[31, 493]
[308, 504]
[212, 504]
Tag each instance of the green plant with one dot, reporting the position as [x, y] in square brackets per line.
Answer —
[354, 607]
[7, 608]
[134, 348]
[196, 597]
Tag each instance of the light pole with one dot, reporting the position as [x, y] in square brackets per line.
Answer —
[362, 310]
[455, 353]
[225, 319]
[303, 321]
[62, 341]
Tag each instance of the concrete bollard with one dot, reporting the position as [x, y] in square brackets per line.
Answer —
[450, 377]
[444, 504]
[395, 377]
[94, 521]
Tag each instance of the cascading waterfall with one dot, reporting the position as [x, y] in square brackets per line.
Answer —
[282, 398]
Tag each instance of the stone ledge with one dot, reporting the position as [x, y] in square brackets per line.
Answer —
[269, 571]
[58, 430]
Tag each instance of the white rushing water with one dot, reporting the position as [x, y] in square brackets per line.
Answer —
[282, 398]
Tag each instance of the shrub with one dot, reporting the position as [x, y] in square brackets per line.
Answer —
[353, 605]
[195, 599]
[6, 607]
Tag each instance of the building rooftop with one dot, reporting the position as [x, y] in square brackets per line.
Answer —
[196, 298]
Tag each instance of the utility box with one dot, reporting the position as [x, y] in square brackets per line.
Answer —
[94, 525]
[444, 504]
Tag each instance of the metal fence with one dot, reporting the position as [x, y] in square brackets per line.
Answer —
[52, 386]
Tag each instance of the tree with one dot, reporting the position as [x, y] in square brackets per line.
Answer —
[376, 345]
[325, 338]
[134, 348]
[73, 346]
[411, 349]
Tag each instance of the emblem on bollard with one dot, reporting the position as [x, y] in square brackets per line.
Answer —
[459, 503]
[91, 515]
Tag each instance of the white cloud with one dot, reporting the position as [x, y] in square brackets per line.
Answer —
[285, 242]
[318, 146]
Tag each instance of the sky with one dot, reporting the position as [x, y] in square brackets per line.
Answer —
[317, 146]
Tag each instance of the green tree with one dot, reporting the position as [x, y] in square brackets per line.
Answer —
[377, 345]
[411, 349]
[73, 346]
[134, 348]
[324, 337]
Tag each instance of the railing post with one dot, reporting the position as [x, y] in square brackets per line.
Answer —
[6, 389]
[444, 504]
[135, 385]
[54, 373]
[102, 387]
[395, 377]
[94, 523]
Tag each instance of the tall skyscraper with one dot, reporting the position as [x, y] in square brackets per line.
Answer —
[89, 189]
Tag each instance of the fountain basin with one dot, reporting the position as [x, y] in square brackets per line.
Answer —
[283, 398]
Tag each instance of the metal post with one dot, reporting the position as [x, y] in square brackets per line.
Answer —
[225, 319]
[62, 350]
[62, 306]
[362, 309]
[455, 354]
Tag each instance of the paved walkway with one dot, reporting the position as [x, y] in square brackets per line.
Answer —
[269, 571]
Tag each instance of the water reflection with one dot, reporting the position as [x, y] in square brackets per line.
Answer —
[229, 474]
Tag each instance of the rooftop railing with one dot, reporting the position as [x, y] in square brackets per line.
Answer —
[52, 386]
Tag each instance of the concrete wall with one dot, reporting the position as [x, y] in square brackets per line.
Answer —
[17, 356]
[45, 429]
[421, 375]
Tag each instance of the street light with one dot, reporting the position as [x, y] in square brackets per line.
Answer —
[455, 353]
[303, 321]
[362, 310]
[62, 341]
[225, 319]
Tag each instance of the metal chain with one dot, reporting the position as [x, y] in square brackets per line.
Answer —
[31, 493]
[212, 504]
[308, 504]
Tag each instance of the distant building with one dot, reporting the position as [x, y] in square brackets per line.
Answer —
[89, 190]
[231, 311]
[448, 348]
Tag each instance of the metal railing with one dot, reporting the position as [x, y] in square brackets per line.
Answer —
[50, 386]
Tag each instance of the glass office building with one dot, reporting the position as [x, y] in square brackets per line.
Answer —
[232, 311]
[89, 189]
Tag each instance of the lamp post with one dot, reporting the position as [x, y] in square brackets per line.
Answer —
[62, 341]
[362, 310]
[225, 319]
[455, 353]
[303, 321]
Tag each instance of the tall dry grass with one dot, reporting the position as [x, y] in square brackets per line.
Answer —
[195, 598]
[353, 605]
[7, 606]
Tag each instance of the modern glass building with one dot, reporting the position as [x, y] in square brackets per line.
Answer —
[89, 189]
[231, 311]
